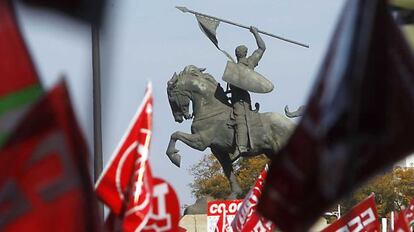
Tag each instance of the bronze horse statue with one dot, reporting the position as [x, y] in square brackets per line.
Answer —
[212, 124]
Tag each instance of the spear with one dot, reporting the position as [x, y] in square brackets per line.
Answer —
[186, 10]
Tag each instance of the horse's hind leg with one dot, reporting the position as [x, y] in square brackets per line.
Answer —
[227, 166]
[192, 140]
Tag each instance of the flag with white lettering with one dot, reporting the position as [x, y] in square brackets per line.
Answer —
[247, 219]
[362, 217]
[164, 215]
[220, 214]
[400, 222]
[165, 210]
[44, 179]
[126, 183]
[357, 122]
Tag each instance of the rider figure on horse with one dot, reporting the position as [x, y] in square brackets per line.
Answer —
[240, 98]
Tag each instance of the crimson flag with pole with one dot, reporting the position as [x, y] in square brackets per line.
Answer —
[126, 183]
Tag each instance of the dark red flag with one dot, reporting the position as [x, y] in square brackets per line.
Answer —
[359, 119]
[409, 213]
[362, 217]
[44, 179]
[20, 86]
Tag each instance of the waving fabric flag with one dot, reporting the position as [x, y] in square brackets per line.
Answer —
[44, 180]
[247, 219]
[400, 222]
[164, 215]
[358, 120]
[362, 217]
[126, 184]
[165, 210]
[20, 86]
[409, 213]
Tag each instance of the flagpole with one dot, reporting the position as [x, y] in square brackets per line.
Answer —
[185, 10]
[97, 122]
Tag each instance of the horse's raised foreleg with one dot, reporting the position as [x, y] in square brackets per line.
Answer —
[192, 140]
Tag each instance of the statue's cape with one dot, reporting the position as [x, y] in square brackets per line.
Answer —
[245, 78]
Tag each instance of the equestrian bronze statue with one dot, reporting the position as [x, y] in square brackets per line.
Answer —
[213, 125]
[226, 124]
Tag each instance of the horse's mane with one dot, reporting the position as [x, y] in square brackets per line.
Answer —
[193, 71]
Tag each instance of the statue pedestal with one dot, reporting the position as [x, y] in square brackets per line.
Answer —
[195, 222]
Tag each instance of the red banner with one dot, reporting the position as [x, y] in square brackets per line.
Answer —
[400, 222]
[126, 184]
[356, 123]
[409, 213]
[20, 86]
[247, 219]
[362, 217]
[16, 68]
[221, 213]
[44, 179]
[165, 209]
[164, 214]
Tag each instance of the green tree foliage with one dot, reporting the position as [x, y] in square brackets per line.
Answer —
[393, 190]
[209, 179]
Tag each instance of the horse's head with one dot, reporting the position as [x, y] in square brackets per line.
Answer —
[190, 85]
[179, 98]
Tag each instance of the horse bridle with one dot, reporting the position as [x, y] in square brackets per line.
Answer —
[176, 95]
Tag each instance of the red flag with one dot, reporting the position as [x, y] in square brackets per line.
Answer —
[400, 222]
[165, 209]
[164, 214]
[223, 224]
[125, 185]
[247, 219]
[409, 213]
[220, 214]
[357, 122]
[44, 179]
[362, 217]
[20, 86]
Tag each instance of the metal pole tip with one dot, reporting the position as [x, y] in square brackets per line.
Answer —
[182, 8]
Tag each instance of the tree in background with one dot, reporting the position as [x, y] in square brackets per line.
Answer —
[393, 190]
[209, 179]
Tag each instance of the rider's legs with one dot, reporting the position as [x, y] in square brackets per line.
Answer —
[241, 127]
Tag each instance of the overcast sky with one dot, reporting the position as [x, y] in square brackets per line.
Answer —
[150, 40]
